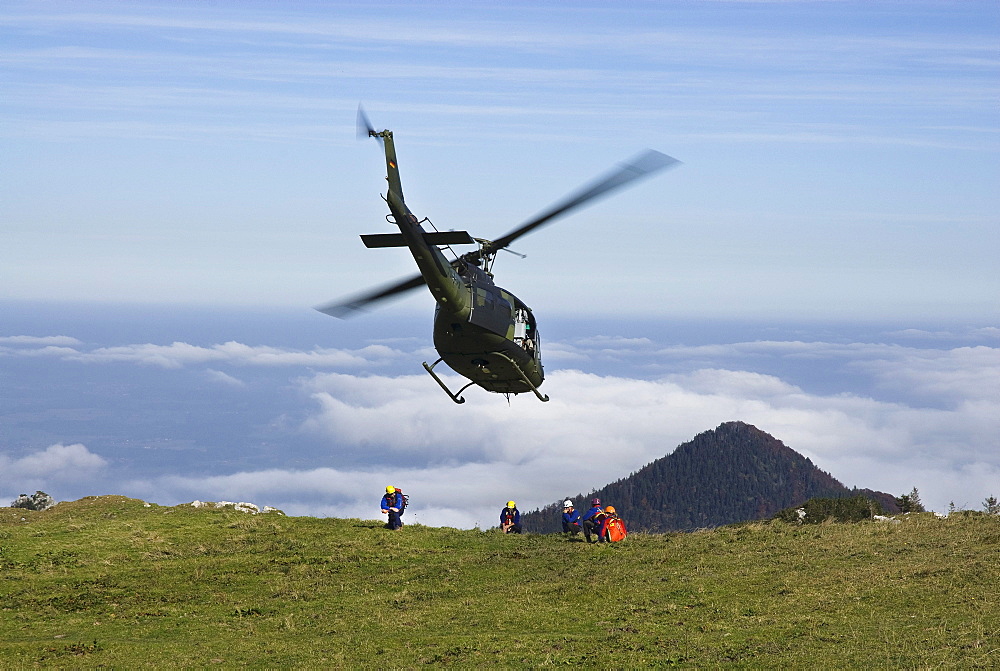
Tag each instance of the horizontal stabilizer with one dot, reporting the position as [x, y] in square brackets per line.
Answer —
[433, 238]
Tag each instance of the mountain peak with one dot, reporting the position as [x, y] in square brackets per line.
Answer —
[733, 473]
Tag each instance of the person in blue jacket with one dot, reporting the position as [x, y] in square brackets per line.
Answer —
[570, 518]
[592, 520]
[392, 506]
[510, 519]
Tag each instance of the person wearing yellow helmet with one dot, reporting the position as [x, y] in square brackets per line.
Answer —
[392, 505]
[510, 519]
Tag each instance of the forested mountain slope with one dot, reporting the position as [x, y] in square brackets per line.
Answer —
[733, 473]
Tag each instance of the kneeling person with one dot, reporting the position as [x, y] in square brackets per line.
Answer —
[612, 527]
[592, 520]
[510, 519]
[392, 505]
[570, 518]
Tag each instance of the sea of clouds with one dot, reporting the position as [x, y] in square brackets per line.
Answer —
[319, 430]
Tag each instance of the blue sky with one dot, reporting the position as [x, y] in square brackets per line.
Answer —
[181, 183]
[840, 158]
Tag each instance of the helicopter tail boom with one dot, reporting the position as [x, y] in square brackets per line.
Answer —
[441, 278]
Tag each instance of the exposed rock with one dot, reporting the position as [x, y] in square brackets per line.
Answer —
[37, 501]
[242, 506]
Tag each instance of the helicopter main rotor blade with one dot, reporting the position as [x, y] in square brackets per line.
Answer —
[643, 165]
[352, 306]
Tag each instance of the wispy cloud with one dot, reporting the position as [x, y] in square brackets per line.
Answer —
[179, 354]
[426, 29]
[225, 378]
[35, 341]
[288, 63]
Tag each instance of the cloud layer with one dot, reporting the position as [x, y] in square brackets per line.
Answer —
[904, 416]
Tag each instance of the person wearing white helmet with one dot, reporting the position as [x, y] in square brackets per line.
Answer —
[570, 518]
[510, 519]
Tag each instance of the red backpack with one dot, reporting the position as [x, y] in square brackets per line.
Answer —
[616, 529]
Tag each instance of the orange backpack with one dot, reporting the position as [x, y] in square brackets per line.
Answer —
[616, 529]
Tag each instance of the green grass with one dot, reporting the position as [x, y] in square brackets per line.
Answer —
[106, 581]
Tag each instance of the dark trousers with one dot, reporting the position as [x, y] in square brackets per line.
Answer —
[571, 527]
[513, 529]
[590, 527]
[394, 521]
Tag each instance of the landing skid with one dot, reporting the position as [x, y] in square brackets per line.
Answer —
[456, 396]
[541, 397]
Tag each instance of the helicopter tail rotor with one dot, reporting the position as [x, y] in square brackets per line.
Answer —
[365, 127]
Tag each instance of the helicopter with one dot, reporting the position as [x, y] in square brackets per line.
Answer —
[481, 331]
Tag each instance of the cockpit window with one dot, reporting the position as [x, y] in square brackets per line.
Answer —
[525, 335]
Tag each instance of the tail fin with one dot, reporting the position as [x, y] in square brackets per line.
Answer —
[391, 166]
[365, 129]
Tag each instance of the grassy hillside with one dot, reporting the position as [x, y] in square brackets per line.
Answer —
[108, 581]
